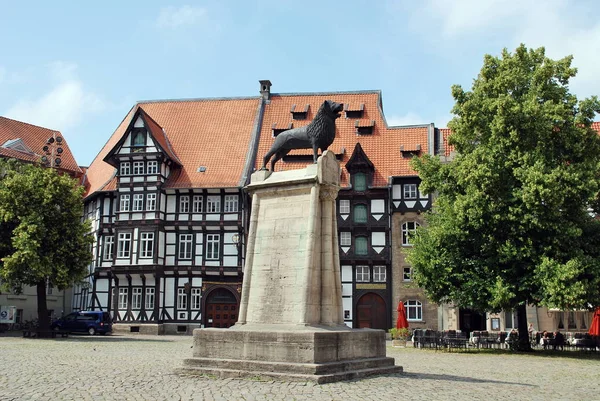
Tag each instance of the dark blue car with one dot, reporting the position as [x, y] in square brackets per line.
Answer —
[90, 322]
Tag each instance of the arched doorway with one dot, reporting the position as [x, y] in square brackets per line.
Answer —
[371, 312]
[221, 309]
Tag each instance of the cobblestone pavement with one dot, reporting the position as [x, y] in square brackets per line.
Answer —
[141, 368]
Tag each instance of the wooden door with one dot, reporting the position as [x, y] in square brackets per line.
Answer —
[371, 312]
[221, 309]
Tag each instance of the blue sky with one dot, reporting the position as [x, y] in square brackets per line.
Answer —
[78, 67]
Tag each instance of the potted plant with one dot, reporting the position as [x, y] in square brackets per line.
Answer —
[399, 336]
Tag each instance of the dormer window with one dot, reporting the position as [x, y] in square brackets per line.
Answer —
[364, 127]
[409, 151]
[360, 181]
[138, 139]
[354, 110]
[279, 128]
[299, 112]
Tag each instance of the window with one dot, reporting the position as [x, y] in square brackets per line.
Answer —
[181, 299]
[510, 320]
[414, 310]
[185, 246]
[231, 203]
[123, 298]
[410, 191]
[136, 298]
[138, 202]
[345, 238]
[197, 204]
[379, 274]
[147, 244]
[360, 214]
[149, 298]
[125, 168]
[407, 273]
[213, 204]
[344, 206]
[124, 205]
[361, 246]
[360, 181]
[184, 204]
[408, 229]
[124, 244]
[139, 138]
[150, 202]
[49, 288]
[362, 274]
[212, 246]
[138, 168]
[196, 297]
[152, 167]
[109, 242]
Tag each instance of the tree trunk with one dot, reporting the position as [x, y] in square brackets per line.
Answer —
[42, 308]
[523, 344]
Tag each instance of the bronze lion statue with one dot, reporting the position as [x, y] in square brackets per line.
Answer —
[319, 134]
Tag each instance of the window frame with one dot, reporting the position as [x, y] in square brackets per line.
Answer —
[151, 202]
[410, 191]
[197, 201]
[344, 206]
[345, 238]
[146, 245]
[137, 204]
[139, 167]
[414, 306]
[149, 295]
[184, 204]
[185, 247]
[181, 299]
[213, 246]
[354, 213]
[122, 253]
[124, 168]
[108, 245]
[152, 170]
[124, 202]
[231, 203]
[136, 298]
[355, 185]
[122, 302]
[213, 204]
[364, 275]
[379, 274]
[407, 273]
[406, 231]
[196, 298]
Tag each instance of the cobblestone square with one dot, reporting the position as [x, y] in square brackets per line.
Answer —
[140, 367]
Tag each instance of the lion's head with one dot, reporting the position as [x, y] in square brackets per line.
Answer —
[334, 108]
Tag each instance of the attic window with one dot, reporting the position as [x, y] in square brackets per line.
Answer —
[18, 145]
[278, 130]
[364, 127]
[201, 169]
[354, 111]
[410, 151]
[138, 139]
[299, 113]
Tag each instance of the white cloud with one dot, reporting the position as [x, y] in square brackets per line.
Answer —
[563, 27]
[63, 107]
[173, 17]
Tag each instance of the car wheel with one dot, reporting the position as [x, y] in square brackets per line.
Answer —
[91, 331]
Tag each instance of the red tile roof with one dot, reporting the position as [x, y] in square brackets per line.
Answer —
[445, 135]
[34, 138]
[214, 133]
[382, 146]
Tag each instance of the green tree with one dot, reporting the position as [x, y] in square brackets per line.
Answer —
[511, 224]
[44, 237]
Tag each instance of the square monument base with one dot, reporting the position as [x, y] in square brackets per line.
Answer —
[320, 356]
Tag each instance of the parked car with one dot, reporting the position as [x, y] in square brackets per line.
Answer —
[90, 322]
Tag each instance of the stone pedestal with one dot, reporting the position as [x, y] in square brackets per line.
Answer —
[290, 324]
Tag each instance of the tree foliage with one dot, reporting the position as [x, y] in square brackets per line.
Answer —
[44, 239]
[511, 222]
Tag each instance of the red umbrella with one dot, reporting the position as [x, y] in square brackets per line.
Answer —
[595, 326]
[401, 323]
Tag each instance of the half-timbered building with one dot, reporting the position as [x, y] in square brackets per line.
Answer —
[169, 211]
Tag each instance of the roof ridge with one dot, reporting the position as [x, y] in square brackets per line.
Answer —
[32, 125]
[356, 92]
[197, 99]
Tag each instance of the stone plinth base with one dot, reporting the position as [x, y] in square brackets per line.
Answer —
[320, 356]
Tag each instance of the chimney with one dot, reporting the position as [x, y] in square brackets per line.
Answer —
[265, 89]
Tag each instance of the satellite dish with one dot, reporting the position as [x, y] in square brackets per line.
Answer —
[59, 150]
[57, 161]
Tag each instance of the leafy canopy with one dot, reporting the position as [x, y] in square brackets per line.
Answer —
[44, 238]
[511, 223]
